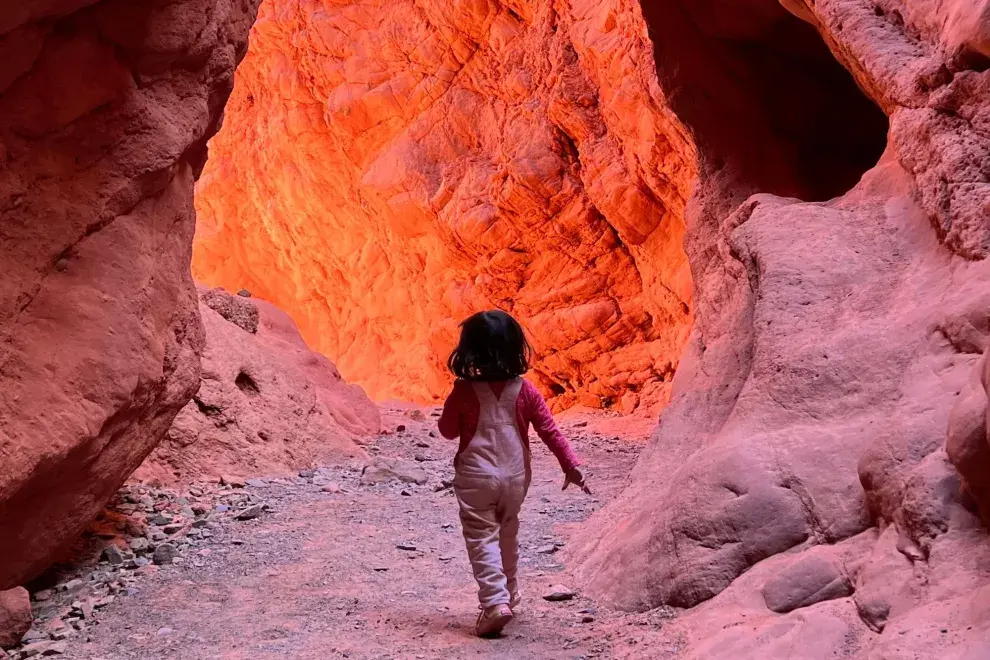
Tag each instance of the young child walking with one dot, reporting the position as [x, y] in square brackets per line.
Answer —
[490, 410]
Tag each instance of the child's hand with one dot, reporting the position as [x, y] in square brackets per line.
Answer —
[576, 477]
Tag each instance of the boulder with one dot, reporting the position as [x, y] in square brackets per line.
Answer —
[15, 616]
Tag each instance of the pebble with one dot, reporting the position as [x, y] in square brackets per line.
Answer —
[163, 632]
[160, 519]
[104, 602]
[198, 524]
[559, 592]
[406, 493]
[423, 445]
[165, 554]
[44, 648]
[75, 585]
[446, 557]
[422, 458]
[139, 544]
[546, 550]
[173, 529]
[113, 555]
[231, 482]
[406, 546]
[256, 483]
[85, 607]
[400, 428]
[251, 512]
[306, 474]
[331, 488]
[43, 595]
[33, 635]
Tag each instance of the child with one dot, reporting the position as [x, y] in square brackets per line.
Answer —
[490, 410]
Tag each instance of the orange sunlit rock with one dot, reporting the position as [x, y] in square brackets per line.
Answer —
[386, 169]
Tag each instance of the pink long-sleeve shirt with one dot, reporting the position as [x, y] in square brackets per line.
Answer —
[461, 410]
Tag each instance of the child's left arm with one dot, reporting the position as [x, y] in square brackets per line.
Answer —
[542, 420]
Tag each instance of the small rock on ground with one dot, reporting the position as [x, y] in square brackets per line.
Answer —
[559, 592]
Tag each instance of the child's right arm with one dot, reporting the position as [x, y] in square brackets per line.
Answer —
[450, 419]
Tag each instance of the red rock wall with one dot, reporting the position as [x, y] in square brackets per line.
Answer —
[267, 404]
[386, 169]
[105, 109]
[799, 492]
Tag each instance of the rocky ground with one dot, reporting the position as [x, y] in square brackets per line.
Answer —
[363, 560]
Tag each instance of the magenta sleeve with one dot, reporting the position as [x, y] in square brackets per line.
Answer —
[539, 415]
[450, 419]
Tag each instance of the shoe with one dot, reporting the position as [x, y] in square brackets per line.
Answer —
[516, 604]
[492, 620]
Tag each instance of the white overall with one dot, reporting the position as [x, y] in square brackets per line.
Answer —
[492, 476]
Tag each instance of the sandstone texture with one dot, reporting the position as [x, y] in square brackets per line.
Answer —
[267, 405]
[105, 110]
[386, 169]
[15, 616]
[834, 379]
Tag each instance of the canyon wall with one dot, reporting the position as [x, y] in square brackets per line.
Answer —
[802, 483]
[105, 110]
[267, 404]
[386, 169]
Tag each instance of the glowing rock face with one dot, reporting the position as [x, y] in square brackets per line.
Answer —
[386, 169]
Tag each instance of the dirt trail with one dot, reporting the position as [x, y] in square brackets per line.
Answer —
[321, 574]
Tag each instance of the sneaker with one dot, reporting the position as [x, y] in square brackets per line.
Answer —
[492, 620]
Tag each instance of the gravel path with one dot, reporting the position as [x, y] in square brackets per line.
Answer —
[329, 565]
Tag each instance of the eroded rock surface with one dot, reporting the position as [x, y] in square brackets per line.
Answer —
[15, 616]
[387, 169]
[267, 404]
[105, 110]
[833, 338]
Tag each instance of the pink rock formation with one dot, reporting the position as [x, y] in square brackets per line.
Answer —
[15, 616]
[267, 404]
[828, 428]
[968, 443]
[832, 340]
[387, 169]
[105, 109]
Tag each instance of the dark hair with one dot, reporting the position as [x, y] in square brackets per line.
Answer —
[492, 347]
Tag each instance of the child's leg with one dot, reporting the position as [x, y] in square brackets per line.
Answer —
[478, 497]
[508, 512]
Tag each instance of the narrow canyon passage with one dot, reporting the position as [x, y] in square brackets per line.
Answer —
[749, 240]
